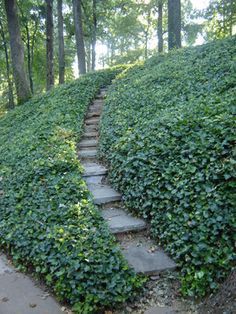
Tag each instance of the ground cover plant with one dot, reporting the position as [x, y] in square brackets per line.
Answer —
[168, 135]
[47, 220]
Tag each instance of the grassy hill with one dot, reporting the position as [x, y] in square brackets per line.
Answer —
[168, 134]
[47, 219]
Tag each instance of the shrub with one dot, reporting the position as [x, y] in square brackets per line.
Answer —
[47, 219]
[168, 132]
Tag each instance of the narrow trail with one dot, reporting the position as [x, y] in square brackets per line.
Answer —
[132, 233]
[140, 251]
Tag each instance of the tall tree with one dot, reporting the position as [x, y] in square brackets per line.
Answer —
[49, 43]
[94, 37]
[79, 36]
[61, 52]
[17, 52]
[174, 24]
[160, 25]
[8, 72]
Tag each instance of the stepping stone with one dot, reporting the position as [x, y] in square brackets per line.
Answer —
[91, 128]
[98, 102]
[87, 153]
[103, 193]
[95, 108]
[88, 143]
[90, 134]
[161, 310]
[95, 179]
[119, 221]
[92, 121]
[93, 114]
[144, 261]
[93, 169]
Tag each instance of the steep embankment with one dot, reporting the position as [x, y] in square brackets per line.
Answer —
[47, 220]
[168, 134]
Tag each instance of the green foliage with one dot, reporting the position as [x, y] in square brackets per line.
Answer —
[168, 134]
[47, 219]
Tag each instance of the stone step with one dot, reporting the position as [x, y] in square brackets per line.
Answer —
[93, 108]
[98, 102]
[87, 153]
[90, 134]
[88, 143]
[91, 128]
[93, 114]
[100, 179]
[94, 169]
[147, 261]
[103, 193]
[92, 121]
[120, 221]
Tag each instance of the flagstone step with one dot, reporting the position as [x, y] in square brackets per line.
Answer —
[95, 108]
[94, 169]
[92, 121]
[90, 134]
[103, 193]
[88, 143]
[100, 179]
[87, 153]
[91, 128]
[120, 221]
[146, 261]
[98, 102]
[93, 114]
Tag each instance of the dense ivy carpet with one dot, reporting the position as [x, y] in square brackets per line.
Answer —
[47, 220]
[168, 134]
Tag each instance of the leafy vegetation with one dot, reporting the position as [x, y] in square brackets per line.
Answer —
[168, 134]
[48, 221]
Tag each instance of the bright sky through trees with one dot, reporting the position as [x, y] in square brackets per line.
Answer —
[101, 49]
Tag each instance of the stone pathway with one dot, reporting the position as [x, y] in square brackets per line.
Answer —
[144, 256]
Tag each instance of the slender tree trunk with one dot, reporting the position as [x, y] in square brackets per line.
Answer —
[174, 24]
[17, 52]
[9, 81]
[61, 52]
[49, 43]
[146, 45]
[159, 26]
[79, 36]
[88, 56]
[94, 39]
[29, 60]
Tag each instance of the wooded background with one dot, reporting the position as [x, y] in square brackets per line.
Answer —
[39, 39]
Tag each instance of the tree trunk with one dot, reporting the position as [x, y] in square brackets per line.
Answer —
[79, 36]
[61, 52]
[159, 26]
[49, 43]
[9, 81]
[174, 24]
[29, 58]
[94, 39]
[17, 52]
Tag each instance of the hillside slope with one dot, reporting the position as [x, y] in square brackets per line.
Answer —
[168, 134]
[47, 219]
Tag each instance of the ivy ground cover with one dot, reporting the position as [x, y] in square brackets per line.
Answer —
[47, 220]
[168, 134]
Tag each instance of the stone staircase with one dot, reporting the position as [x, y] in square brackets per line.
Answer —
[132, 233]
